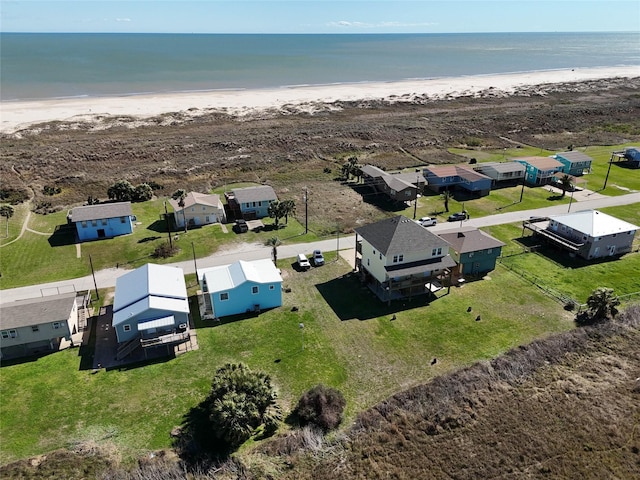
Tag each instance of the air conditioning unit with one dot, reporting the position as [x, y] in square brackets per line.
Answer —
[182, 326]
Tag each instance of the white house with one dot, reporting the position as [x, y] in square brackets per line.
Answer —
[199, 209]
[239, 288]
[591, 234]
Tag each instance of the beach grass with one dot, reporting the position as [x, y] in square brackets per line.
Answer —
[348, 341]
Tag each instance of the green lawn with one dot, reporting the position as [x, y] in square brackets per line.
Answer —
[14, 223]
[53, 256]
[573, 277]
[349, 340]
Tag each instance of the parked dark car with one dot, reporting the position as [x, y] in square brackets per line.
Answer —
[456, 217]
[318, 258]
[241, 226]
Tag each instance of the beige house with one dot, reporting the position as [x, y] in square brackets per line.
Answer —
[199, 209]
[38, 325]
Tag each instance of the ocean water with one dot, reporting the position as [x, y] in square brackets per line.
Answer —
[40, 66]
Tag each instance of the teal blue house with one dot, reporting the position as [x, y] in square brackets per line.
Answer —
[474, 251]
[251, 202]
[540, 170]
[574, 163]
[241, 287]
[106, 220]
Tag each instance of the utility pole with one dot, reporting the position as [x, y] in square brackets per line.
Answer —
[166, 219]
[95, 285]
[337, 242]
[195, 265]
[608, 170]
[522, 191]
[306, 210]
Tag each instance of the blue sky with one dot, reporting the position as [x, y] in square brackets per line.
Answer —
[323, 16]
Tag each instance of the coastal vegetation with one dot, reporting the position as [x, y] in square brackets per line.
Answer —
[519, 390]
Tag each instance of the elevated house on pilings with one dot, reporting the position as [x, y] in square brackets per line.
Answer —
[397, 258]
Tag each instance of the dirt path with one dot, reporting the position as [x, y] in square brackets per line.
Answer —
[24, 229]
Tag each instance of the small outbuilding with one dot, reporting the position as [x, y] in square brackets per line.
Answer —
[474, 251]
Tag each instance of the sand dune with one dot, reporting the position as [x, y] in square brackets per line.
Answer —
[20, 115]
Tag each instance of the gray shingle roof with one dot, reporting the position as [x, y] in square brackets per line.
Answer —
[36, 311]
[254, 194]
[399, 235]
[104, 210]
[470, 240]
[502, 167]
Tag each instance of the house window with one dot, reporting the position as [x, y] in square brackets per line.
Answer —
[380, 256]
[470, 254]
[489, 250]
[94, 223]
[123, 219]
[84, 224]
[367, 262]
[9, 334]
[271, 287]
[398, 258]
[193, 209]
[436, 251]
[224, 296]
[57, 325]
[254, 289]
[374, 251]
[204, 209]
[253, 204]
[35, 328]
[407, 193]
[127, 328]
[103, 221]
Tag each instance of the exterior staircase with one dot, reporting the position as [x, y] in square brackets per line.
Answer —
[127, 348]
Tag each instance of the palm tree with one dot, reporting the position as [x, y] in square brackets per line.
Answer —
[565, 184]
[603, 303]
[446, 196]
[7, 212]
[276, 211]
[288, 208]
[180, 195]
[274, 243]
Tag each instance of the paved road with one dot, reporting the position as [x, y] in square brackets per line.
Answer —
[107, 278]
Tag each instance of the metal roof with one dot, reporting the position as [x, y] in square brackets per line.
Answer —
[103, 210]
[594, 223]
[228, 277]
[150, 279]
[157, 323]
[575, 156]
[36, 311]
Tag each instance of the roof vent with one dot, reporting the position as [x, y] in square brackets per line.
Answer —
[460, 235]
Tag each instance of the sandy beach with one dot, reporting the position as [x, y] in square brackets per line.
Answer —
[19, 115]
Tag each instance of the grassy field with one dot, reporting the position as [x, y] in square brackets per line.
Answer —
[348, 341]
[51, 255]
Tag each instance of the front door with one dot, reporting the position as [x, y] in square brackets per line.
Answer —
[101, 233]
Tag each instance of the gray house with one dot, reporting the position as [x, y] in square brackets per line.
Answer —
[37, 325]
[590, 234]
[397, 258]
[502, 173]
[251, 202]
[399, 187]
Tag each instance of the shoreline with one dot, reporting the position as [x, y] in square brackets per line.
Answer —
[103, 112]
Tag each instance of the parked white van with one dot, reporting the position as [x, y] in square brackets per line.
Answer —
[303, 262]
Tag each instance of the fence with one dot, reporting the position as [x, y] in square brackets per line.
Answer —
[561, 297]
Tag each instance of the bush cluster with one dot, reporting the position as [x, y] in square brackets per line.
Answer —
[321, 406]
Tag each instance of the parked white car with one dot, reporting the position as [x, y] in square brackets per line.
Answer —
[303, 262]
[427, 221]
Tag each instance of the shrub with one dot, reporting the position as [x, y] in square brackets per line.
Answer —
[321, 406]
[165, 250]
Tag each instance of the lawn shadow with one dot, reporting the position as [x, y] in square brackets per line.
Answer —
[350, 299]
[33, 357]
[149, 239]
[62, 235]
[378, 199]
[160, 226]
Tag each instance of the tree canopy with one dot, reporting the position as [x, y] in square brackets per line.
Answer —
[240, 402]
[121, 191]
